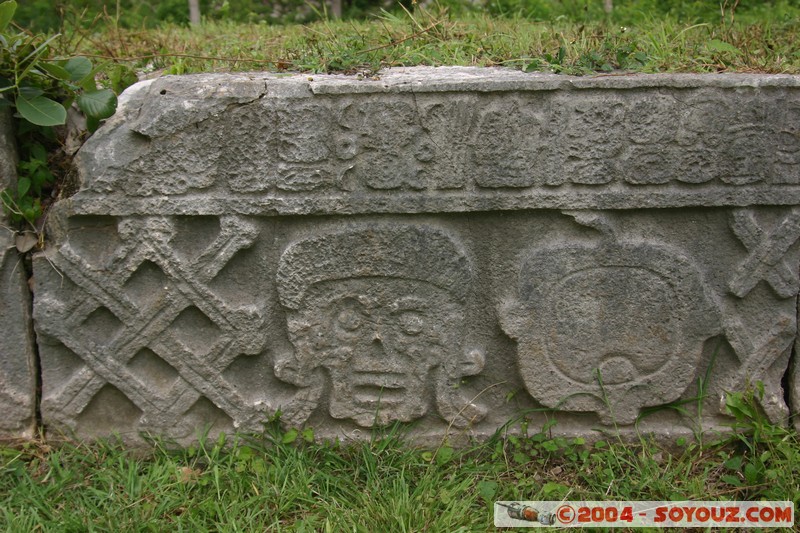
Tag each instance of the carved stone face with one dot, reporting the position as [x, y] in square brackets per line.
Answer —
[379, 338]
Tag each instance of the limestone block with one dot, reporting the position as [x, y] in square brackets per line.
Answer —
[444, 249]
[17, 361]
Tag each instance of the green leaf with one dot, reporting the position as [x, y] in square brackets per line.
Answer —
[444, 454]
[550, 446]
[734, 463]
[732, 480]
[290, 436]
[57, 71]
[551, 487]
[30, 92]
[22, 186]
[7, 10]
[308, 435]
[715, 45]
[78, 68]
[487, 489]
[92, 124]
[244, 453]
[38, 152]
[521, 458]
[41, 110]
[751, 473]
[533, 66]
[98, 104]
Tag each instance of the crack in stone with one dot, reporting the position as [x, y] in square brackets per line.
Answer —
[37, 362]
[790, 374]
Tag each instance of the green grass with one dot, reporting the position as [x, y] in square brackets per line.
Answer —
[278, 481]
[435, 37]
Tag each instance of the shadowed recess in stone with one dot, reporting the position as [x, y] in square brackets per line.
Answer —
[101, 326]
[204, 416]
[153, 371]
[147, 284]
[108, 412]
[196, 331]
[194, 234]
[62, 365]
[94, 238]
[253, 377]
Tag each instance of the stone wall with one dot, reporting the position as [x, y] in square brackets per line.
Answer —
[449, 249]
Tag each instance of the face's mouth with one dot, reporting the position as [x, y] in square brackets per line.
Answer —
[379, 388]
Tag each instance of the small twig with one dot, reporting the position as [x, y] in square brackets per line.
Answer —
[404, 39]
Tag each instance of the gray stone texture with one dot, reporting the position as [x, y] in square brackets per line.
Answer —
[17, 360]
[447, 249]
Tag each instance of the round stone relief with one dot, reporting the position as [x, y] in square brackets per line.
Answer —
[608, 328]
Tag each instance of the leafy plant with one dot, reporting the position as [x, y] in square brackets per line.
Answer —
[41, 90]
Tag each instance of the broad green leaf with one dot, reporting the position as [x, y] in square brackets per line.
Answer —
[444, 454]
[92, 124]
[7, 10]
[57, 71]
[22, 186]
[732, 480]
[98, 104]
[734, 463]
[78, 68]
[290, 436]
[30, 92]
[41, 110]
[521, 458]
[715, 45]
[552, 487]
[487, 489]
[751, 473]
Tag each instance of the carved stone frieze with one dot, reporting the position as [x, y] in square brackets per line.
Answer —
[443, 249]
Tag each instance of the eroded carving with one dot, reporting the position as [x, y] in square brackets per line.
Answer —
[142, 320]
[769, 259]
[766, 254]
[608, 328]
[381, 311]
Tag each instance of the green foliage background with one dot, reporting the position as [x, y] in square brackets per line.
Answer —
[47, 15]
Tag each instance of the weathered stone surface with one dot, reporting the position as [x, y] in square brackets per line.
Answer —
[17, 362]
[442, 248]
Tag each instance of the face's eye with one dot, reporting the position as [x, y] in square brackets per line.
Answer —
[349, 319]
[411, 323]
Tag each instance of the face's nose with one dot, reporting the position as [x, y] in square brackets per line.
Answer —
[377, 349]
